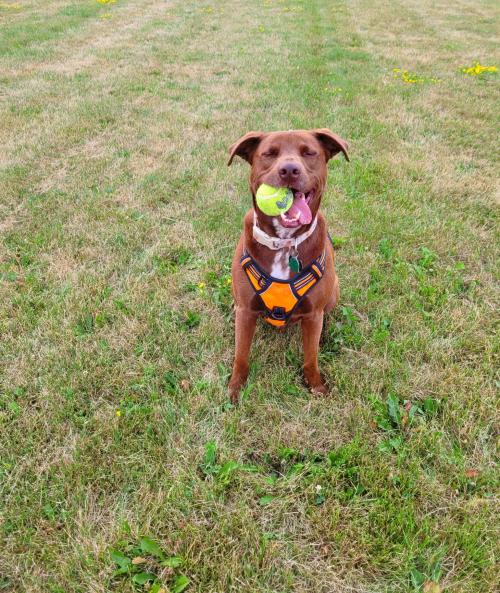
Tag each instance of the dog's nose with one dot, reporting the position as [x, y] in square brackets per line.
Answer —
[289, 171]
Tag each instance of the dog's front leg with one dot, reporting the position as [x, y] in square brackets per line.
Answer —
[311, 332]
[244, 331]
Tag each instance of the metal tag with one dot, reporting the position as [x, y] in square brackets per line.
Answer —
[294, 264]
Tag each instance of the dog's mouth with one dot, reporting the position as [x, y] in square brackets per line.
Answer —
[299, 212]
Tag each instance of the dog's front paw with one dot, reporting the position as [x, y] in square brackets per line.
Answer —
[233, 389]
[237, 380]
[234, 393]
[315, 383]
[319, 389]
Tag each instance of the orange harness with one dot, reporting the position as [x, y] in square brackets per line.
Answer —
[281, 297]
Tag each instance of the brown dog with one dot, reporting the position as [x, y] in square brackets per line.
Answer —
[272, 248]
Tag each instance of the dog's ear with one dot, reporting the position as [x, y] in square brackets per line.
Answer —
[245, 146]
[332, 144]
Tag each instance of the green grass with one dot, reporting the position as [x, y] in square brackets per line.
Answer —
[118, 220]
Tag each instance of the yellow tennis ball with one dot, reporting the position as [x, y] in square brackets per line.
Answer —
[273, 200]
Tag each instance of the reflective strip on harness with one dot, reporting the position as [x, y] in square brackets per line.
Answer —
[281, 297]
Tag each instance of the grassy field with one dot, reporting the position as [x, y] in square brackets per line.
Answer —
[118, 221]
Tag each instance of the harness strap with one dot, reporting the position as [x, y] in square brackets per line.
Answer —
[281, 297]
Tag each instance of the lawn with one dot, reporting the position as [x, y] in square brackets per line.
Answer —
[123, 467]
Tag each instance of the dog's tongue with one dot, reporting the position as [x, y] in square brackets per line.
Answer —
[300, 209]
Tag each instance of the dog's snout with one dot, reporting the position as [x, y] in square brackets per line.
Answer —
[289, 171]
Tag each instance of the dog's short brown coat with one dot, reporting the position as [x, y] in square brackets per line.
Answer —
[297, 159]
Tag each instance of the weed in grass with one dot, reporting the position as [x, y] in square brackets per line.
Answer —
[172, 261]
[146, 566]
[343, 333]
[477, 69]
[224, 474]
[395, 415]
[412, 78]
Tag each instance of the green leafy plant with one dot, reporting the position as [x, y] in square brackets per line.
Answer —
[427, 260]
[216, 286]
[208, 464]
[345, 332]
[223, 473]
[387, 414]
[382, 330]
[172, 261]
[394, 415]
[392, 445]
[191, 319]
[427, 581]
[142, 564]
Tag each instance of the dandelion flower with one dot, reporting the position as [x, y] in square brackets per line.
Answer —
[411, 78]
[477, 69]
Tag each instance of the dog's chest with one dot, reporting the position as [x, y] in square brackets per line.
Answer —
[280, 267]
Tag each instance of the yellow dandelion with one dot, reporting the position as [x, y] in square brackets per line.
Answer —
[411, 78]
[201, 285]
[477, 69]
[118, 413]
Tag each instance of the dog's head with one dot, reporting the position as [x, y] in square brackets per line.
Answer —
[296, 159]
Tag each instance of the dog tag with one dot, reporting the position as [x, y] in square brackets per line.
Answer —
[294, 264]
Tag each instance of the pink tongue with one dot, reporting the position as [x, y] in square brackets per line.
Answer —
[300, 209]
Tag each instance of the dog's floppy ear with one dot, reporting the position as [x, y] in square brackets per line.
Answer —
[245, 146]
[331, 143]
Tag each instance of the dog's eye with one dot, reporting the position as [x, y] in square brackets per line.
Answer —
[270, 153]
[309, 152]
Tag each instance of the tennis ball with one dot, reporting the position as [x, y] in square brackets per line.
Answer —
[273, 200]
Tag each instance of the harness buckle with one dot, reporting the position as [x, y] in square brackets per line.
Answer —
[278, 313]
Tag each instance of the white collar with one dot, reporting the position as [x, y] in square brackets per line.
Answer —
[274, 243]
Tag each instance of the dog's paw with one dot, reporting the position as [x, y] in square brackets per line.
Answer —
[315, 382]
[234, 395]
[233, 390]
[319, 389]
